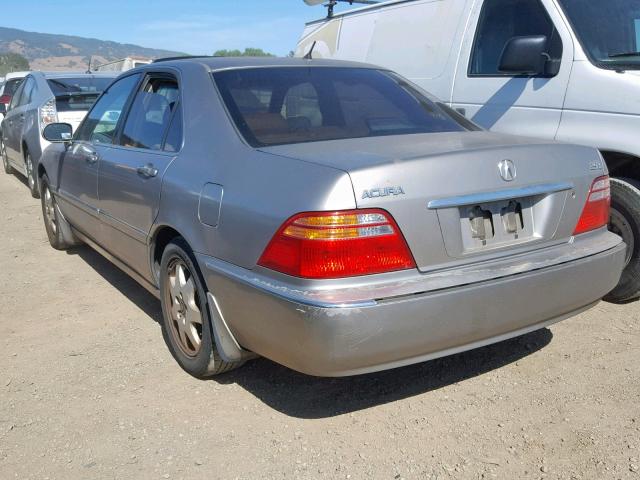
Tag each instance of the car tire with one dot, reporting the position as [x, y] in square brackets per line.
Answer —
[58, 229]
[625, 221]
[184, 298]
[5, 160]
[31, 175]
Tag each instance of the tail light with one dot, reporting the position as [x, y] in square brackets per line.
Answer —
[48, 113]
[348, 243]
[596, 211]
[6, 99]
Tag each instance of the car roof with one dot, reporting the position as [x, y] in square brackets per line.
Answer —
[225, 63]
[11, 75]
[48, 75]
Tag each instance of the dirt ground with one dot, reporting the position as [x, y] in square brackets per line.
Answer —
[89, 391]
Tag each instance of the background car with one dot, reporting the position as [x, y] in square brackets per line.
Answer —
[41, 99]
[10, 84]
[327, 215]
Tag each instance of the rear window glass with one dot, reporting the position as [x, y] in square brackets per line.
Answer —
[276, 106]
[11, 86]
[77, 94]
[61, 86]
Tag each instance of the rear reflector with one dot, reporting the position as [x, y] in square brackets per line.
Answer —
[325, 245]
[596, 211]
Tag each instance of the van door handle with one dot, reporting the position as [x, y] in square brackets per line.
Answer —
[147, 171]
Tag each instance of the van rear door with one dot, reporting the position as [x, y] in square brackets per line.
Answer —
[528, 104]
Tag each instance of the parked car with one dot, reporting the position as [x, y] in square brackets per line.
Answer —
[327, 215]
[555, 69]
[9, 86]
[41, 99]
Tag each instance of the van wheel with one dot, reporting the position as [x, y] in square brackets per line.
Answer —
[58, 229]
[186, 322]
[31, 178]
[5, 160]
[625, 221]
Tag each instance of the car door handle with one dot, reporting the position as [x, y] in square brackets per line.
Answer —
[91, 157]
[147, 170]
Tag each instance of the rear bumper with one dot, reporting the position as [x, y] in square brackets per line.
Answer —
[347, 339]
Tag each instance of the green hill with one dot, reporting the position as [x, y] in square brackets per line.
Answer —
[47, 51]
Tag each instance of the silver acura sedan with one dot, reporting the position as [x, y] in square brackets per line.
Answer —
[330, 216]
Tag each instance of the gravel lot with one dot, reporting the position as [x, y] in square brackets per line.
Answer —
[89, 391]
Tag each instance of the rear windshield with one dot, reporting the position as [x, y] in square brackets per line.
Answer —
[61, 86]
[276, 106]
[11, 86]
[77, 93]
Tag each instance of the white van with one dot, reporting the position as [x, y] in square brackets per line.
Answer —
[559, 69]
[121, 65]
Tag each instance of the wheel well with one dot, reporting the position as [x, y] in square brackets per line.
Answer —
[622, 164]
[161, 239]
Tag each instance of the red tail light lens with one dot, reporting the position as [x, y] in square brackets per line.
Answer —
[348, 243]
[6, 99]
[596, 211]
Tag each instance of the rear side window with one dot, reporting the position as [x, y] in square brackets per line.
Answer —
[150, 115]
[275, 106]
[15, 99]
[500, 21]
[28, 92]
[173, 141]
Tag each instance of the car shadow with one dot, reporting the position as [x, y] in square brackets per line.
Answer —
[20, 178]
[303, 396]
[126, 285]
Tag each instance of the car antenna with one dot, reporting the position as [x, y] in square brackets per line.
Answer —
[309, 55]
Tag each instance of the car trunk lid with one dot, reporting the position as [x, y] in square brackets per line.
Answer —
[465, 197]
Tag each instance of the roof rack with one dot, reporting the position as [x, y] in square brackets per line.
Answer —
[332, 3]
[182, 57]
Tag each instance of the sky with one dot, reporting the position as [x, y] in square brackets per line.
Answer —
[192, 26]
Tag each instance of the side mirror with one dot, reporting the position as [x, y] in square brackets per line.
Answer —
[525, 55]
[58, 132]
[3, 109]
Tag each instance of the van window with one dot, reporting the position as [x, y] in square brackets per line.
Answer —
[500, 21]
[327, 103]
[609, 31]
[150, 114]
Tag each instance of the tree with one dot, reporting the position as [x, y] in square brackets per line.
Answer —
[248, 52]
[12, 62]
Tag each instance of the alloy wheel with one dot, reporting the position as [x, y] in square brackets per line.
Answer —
[186, 318]
[50, 210]
[30, 178]
[619, 225]
[3, 152]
